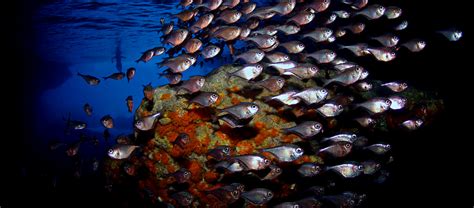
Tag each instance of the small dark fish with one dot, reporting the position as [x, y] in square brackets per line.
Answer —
[302, 18]
[175, 38]
[146, 56]
[306, 129]
[121, 151]
[88, 109]
[167, 28]
[275, 171]
[147, 123]
[173, 78]
[107, 121]
[183, 198]
[366, 121]
[130, 73]
[91, 80]
[106, 135]
[129, 169]
[248, 7]
[115, 76]
[73, 149]
[370, 167]
[258, 196]
[129, 101]
[220, 152]
[205, 99]
[122, 139]
[243, 110]
[158, 51]
[309, 169]
[193, 84]
[182, 175]
[182, 140]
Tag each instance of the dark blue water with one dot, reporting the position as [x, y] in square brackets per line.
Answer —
[58, 39]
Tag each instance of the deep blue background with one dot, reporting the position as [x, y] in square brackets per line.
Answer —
[55, 40]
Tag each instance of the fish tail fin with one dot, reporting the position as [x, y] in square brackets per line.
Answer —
[105, 78]
[79, 74]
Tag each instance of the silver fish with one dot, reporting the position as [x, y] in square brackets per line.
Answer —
[286, 98]
[258, 196]
[285, 153]
[306, 129]
[232, 166]
[319, 34]
[147, 123]
[347, 170]
[330, 110]
[376, 105]
[383, 53]
[347, 77]
[293, 46]
[210, 51]
[396, 86]
[281, 66]
[342, 14]
[415, 45]
[323, 56]
[193, 84]
[302, 18]
[253, 162]
[379, 149]
[205, 99]
[387, 40]
[339, 149]
[272, 84]
[393, 12]
[301, 71]
[360, 49]
[243, 110]
[252, 56]
[451, 34]
[277, 57]
[309, 169]
[91, 80]
[403, 25]
[312, 95]
[268, 30]
[412, 124]
[121, 151]
[288, 29]
[330, 19]
[371, 12]
[263, 41]
[341, 138]
[364, 86]
[397, 102]
[248, 71]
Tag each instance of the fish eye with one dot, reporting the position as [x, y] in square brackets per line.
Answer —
[259, 66]
[269, 194]
[348, 145]
[277, 170]
[214, 96]
[317, 126]
[324, 91]
[280, 80]
[187, 61]
[254, 106]
[266, 161]
[226, 149]
[286, 57]
[235, 193]
[339, 107]
[404, 85]
[301, 45]
[111, 151]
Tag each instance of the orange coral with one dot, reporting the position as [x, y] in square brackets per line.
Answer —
[195, 168]
[302, 159]
[166, 96]
[211, 176]
[245, 147]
